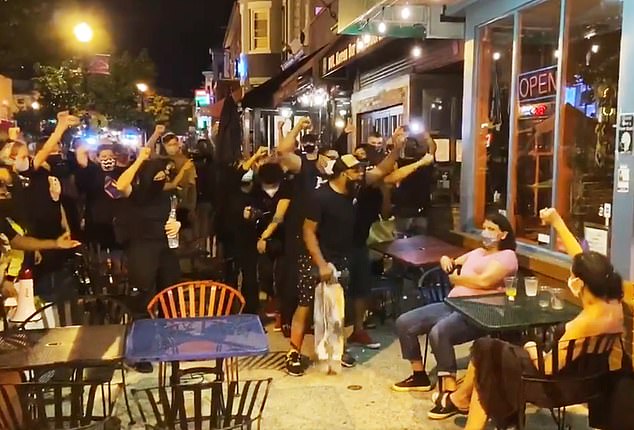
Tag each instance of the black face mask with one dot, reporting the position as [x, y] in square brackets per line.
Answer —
[375, 155]
[309, 148]
[353, 187]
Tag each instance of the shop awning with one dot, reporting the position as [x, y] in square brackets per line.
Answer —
[262, 96]
[215, 109]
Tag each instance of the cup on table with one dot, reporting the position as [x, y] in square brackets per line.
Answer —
[543, 296]
[510, 288]
[557, 299]
[531, 285]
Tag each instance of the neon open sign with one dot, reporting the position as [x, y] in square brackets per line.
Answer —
[538, 84]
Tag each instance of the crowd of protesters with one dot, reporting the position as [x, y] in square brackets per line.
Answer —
[285, 210]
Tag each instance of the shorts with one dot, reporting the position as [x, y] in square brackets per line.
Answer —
[307, 277]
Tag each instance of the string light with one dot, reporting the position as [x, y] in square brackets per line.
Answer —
[496, 56]
[417, 51]
[595, 48]
[406, 13]
[382, 27]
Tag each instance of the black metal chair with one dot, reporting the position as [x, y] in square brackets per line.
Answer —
[214, 405]
[91, 310]
[68, 405]
[577, 374]
[433, 287]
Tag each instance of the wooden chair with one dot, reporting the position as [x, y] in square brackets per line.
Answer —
[210, 405]
[433, 287]
[576, 378]
[69, 405]
[198, 299]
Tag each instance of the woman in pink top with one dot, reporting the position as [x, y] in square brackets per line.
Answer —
[483, 271]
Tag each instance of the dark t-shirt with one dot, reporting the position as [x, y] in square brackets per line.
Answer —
[413, 194]
[268, 205]
[146, 219]
[101, 204]
[303, 185]
[368, 208]
[334, 215]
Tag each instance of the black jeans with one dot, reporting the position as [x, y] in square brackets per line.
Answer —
[152, 267]
[243, 258]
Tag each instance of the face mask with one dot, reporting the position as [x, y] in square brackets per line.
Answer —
[270, 190]
[489, 239]
[309, 148]
[575, 290]
[353, 186]
[22, 165]
[108, 165]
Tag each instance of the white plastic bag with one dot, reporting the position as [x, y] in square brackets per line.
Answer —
[329, 318]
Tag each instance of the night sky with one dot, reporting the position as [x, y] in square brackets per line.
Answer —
[177, 33]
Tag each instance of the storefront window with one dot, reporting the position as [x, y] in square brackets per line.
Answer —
[535, 129]
[493, 95]
[591, 62]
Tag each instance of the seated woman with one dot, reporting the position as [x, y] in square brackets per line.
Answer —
[488, 386]
[483, 271]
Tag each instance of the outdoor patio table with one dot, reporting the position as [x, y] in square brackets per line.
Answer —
[74, 346]
[418, 251]
[494, 313]
[195, 339]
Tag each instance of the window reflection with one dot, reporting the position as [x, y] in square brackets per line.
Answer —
[536, 94]
[588, 137]
[494, 88]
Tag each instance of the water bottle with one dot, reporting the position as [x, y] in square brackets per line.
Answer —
[172, 242]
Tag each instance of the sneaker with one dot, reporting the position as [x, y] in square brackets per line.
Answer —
[286, 330]
[294, 365]
[362, 338]
[348, 361]
[445, 409]
[143, 367]
[270, 308]
[421, 384]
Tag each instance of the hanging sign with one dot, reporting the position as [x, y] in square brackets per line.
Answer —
[626, 127]
[540, 84]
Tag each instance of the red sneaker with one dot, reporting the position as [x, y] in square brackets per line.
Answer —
[362, 338]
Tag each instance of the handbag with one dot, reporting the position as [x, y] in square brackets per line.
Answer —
[329, 316]
[383, 230]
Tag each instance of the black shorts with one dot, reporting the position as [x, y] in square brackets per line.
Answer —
[360, 273]
[307, 277]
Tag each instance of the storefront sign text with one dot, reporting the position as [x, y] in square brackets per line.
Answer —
[538, 84]
[339, 58]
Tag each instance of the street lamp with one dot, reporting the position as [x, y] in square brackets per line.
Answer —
[83, 32]
[142, 87]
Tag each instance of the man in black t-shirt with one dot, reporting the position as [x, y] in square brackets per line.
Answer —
[98, 183]
[270, 200]
[328, 234]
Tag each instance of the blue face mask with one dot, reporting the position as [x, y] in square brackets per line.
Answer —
[489, 239]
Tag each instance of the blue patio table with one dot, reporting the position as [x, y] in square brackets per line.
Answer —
[174, 340]
[195, 339]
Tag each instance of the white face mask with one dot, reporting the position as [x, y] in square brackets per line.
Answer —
[22, 165]
[489, 239]
[270, 190]
[575, 290]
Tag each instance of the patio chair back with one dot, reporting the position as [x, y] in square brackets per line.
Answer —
[577, 374]
[67, 405]
[433, 286]
[196, 299]
[218, 405]
[86, 310]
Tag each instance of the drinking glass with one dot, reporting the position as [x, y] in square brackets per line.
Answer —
[544, 296]
[531, 284]
[557, 300]
[510, 287]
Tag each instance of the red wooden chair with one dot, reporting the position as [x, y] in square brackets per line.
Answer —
[198, 299]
